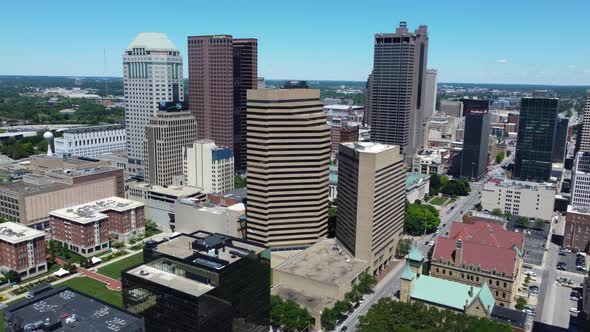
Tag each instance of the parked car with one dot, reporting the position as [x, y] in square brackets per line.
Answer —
[582, 254]
[431, 243]
[581, 268]
[530, 273]
[574, 310]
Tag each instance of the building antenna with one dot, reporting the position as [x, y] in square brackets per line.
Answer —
[106, 81]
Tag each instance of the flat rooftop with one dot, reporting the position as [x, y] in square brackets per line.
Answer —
[21, 187]
[176, 191]
[170, 280]
[368, 147]
[570, 209]
[92, 129]
[93, 211]
[237, 194]
[314, 303]
[70, 310]
[325, 261]
[15, 233]
[514, 184]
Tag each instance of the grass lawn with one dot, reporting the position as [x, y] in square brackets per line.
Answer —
[114, 270]
[94, 288]
[438, 200]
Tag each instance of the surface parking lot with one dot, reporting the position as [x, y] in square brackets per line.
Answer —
[534, 242]
[570, 260]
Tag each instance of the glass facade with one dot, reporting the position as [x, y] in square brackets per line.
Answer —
[474, 157]
[534, 145]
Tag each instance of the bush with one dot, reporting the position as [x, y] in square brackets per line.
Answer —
[117, 245]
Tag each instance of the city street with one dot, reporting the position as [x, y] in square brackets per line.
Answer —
[390, 285]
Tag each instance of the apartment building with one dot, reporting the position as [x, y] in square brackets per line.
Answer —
[22, 249]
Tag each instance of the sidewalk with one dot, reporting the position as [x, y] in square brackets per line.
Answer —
[111, 283]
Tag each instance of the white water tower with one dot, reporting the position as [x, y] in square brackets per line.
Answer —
[48, 136]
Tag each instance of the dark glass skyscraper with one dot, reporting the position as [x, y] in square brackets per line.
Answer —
[559, 141]
[536, 131]
[398, 89]
[201, 282]
[474, 156]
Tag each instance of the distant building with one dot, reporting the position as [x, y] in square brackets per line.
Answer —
[261, 84]
[398, 94]
[534, 147]
[368, 100]
[577, 229]
[152, 73]
[88, 228]
[221, 70]
[369, 224]
[22, 249]
[295, 85]
[343, 132]
[474, 157]
[40, 164]
[429, 161]
[464, 256]
[192, 215]
[520, 198]
[30, 200]
[166, 134]
[585, 132]
[581, 168]
[228, 198]
[63, 309]
[344, 113]
[91, 141]
[288, 167]
[430, 93]
[116, 159]
[201, 282]
[417, 186]
[451, 108]
[442, 130]
[208, 166]
[333, 182]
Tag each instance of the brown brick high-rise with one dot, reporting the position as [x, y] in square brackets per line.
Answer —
[221, 70]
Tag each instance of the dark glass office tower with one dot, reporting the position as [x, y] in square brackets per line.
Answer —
[398, 89]
[474, 157]
[559, 141]
[536, 131]
[201, 282]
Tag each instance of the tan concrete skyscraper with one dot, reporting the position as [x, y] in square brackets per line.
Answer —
[371, 199]
[585, 139]
[166, 134]
[288, 155]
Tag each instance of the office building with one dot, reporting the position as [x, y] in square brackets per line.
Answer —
[88, 228]
[152, 74]
[288, 167]
[371, 198]
[208, 166]
[30, 200]
[228, 198]
[201, 282]
[560, 140]
[577, 229]
[22, 249]
[443, 130]
[116, 159]
[91, 141]
[581, 168]
[368, 100]
[520, 198]
[191, 215]
[221, 69]
[166, 134]
[585, 137]
[464, 257]
[534, 145]
[474, 157]
[66, 309]
[342, 132]
[398, 91]
[430, 91]
[430, 161]
[451, 108]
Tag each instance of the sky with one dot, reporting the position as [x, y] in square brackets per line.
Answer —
[500, 41]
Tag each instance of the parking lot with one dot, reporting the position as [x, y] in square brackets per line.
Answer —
[534, 241]
[570, 262]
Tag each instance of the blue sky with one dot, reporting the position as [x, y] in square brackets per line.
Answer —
[501, 41]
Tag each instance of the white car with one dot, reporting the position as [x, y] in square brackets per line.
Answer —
[574, 310]
[530, 273]
[437, 231]
[583, 254]
[431, 243]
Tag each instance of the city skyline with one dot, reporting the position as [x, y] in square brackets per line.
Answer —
[333, 42]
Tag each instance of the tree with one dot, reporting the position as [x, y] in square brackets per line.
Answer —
[12, 275]
[539, 224]
[499, 157]
[420, 219]
[117, 245]
[239, 182]
[289, 315]
[329, 318]
[497, 212]
[478, 207]
[366, 283]
[403, 247]
[522, 221]
[456, 187]
[389, 315]
[436, 183]
[341, 307]
[520, 303]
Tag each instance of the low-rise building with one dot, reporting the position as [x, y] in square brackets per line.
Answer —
[66, 309]
[527, 199]
[228, 198]
[441, 130]
[88, 228]
[343, 132]
[117, 159]
[201, 282]
[577, 228]
[417, 186]
[464, 256]
[430, 161]
[91, 141]
[191, 215]
[22, 249]
[208, 166]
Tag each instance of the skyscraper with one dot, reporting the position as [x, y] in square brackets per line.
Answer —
[208, 166]
[581, 169]
[221, 70]
[288, 155]
[166, 134]
[431, 90]
[534, 145]
[371, 201]
[152, 73]
[398, 89]
[474, 156]
[585, 139]
[368, 100]
[560, 140]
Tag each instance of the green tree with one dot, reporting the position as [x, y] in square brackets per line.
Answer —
[520, 303]
[12, 275]
[539, 224]
[522, 221]
[420, 219]
[478, 207]
[289, 315]
[329, 318]
[239, 181]
[365, 283]
[499, 157]
[403, 247]
[497, 212]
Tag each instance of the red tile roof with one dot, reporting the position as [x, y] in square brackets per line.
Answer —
[485, 244]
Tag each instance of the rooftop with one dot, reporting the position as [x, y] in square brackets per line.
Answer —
[513, 184]
[237, 194]
[343, 107]
[14, 232]
[449, 293]
[514, 317]
[152, 41]
[368, 147]
[93, 211]
[170, 280]
[175, 191]
[92, 129]
[325, 261]
[70, 310]
[415, 255]
[413, 179]
[578, 209]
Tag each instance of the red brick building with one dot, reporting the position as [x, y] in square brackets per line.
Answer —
[22, 249]
[343, 132]
[577, 229]
[88, 228]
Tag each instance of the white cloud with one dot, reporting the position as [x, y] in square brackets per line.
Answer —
[502, 61]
